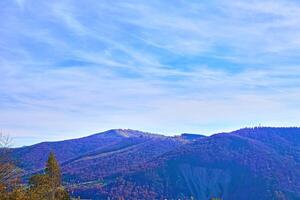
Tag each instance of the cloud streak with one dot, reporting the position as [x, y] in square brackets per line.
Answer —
[69, 68]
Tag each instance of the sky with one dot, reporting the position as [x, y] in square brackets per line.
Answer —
[72, 68]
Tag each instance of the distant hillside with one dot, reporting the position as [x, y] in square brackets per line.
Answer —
[32, 158]
[251, 163]
[95, 148]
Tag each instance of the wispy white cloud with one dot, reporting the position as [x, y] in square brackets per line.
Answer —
[76, 67]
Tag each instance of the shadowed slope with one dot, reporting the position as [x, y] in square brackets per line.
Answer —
[245, 164]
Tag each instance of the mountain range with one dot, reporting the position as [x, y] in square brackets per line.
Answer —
[250, 163]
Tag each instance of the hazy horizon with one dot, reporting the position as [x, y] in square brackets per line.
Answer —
[21, 142]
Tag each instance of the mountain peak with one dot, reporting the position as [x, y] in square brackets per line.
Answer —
[128, 133]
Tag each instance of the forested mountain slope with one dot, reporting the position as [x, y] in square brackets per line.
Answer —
[251, 163]
[259, 163]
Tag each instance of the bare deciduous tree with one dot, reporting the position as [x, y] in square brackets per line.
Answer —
[8, 171]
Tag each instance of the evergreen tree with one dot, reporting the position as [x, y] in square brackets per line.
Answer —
[48, 186]
[54, 175]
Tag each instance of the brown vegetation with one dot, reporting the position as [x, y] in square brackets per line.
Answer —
[46, 186]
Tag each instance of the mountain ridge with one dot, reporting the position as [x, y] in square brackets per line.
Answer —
[149, 166]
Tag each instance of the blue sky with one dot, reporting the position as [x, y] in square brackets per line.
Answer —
[72, 68]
